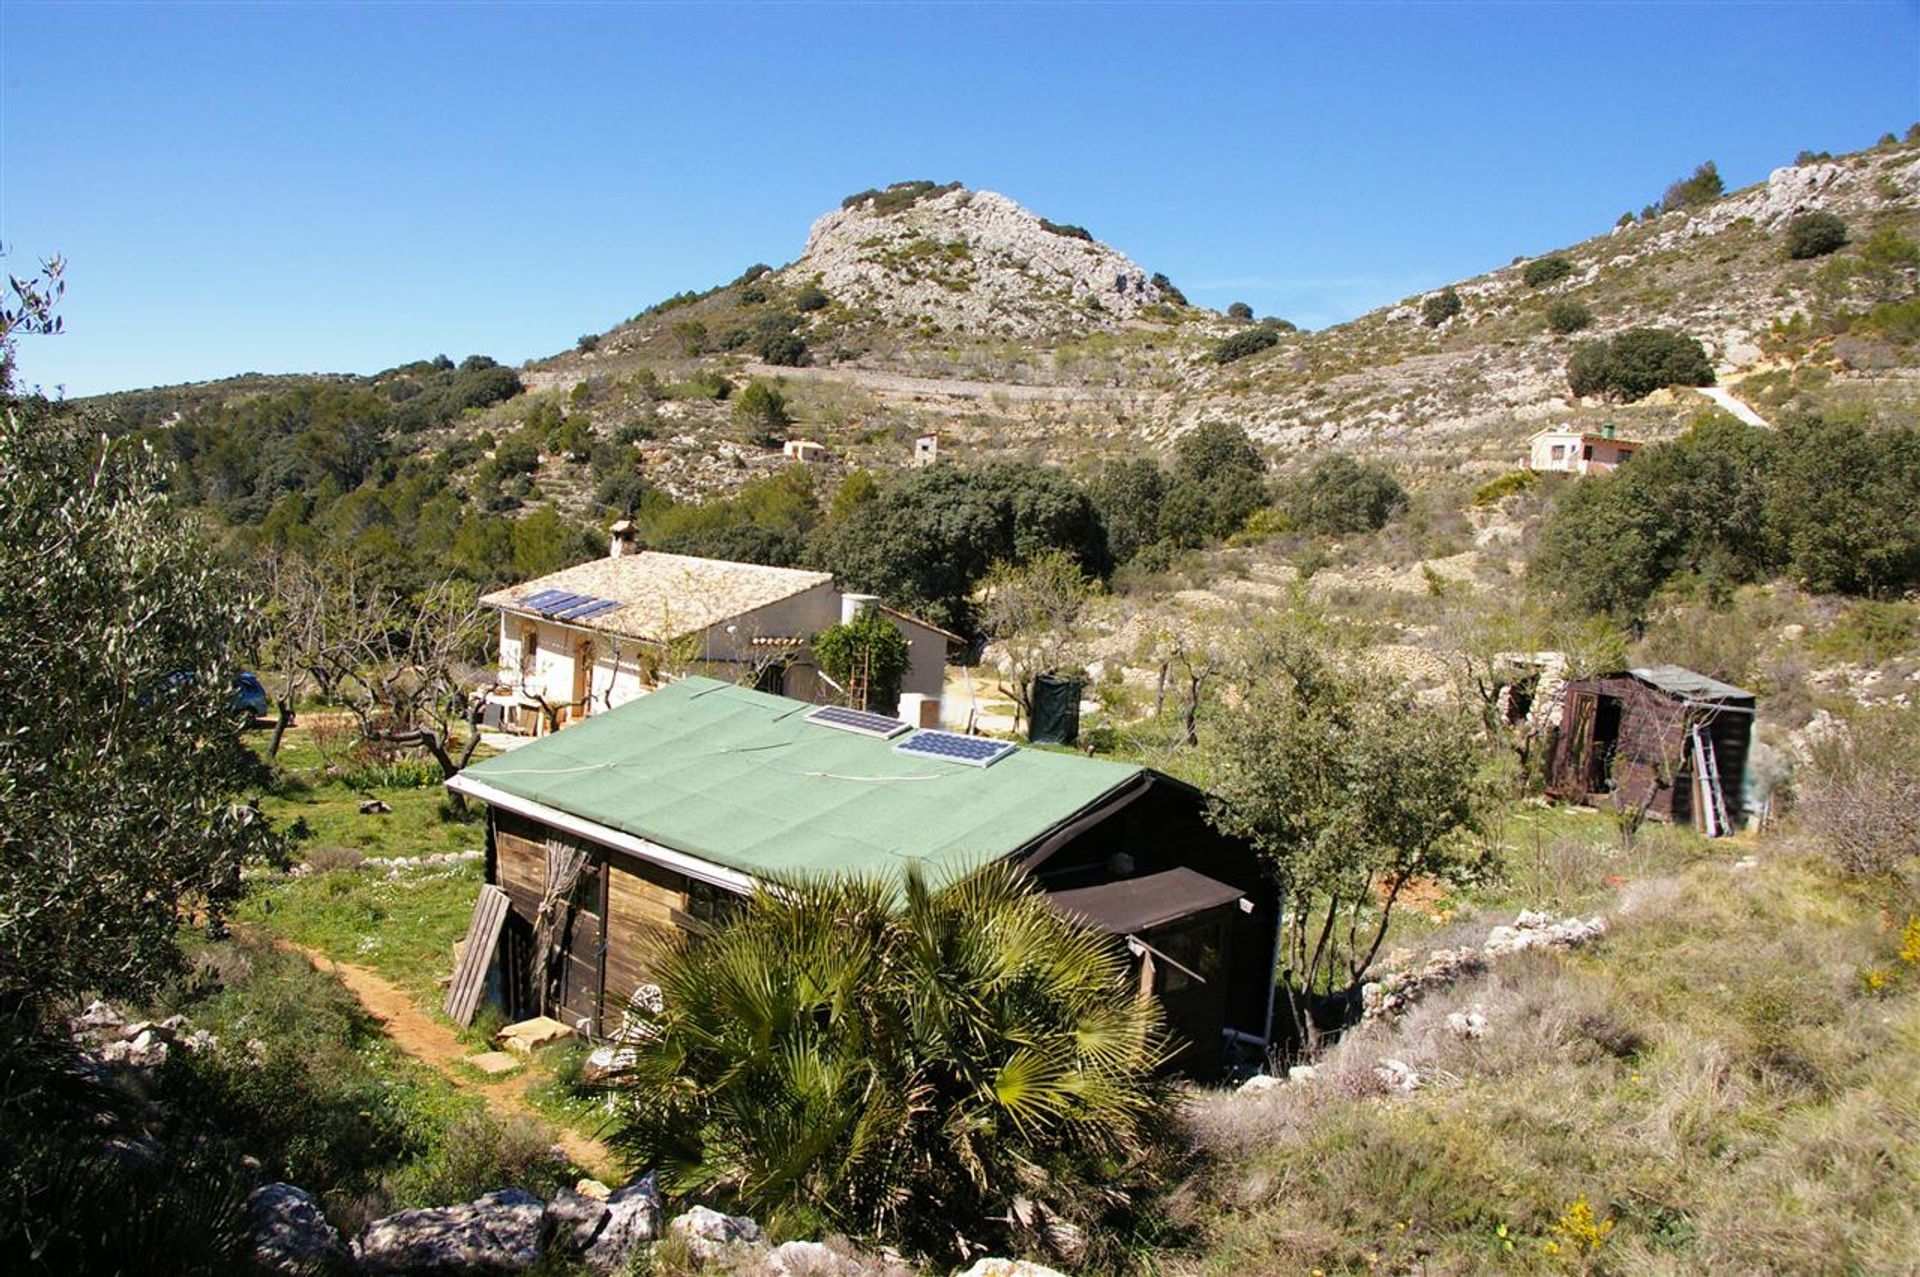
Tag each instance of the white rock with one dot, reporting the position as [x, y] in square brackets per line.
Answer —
[99, 1015]
[709, 1233]
[807, 1259]
[1259, 1082]
[1302, 1073]
[497, 1232]
[290, 1232]
[1467, 1024]
[1010, 1268]
[633, 1219]
[1398, 1075]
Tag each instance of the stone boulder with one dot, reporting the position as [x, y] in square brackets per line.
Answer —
[710, 1235]
[495, 1233]
[1010, 1268]
[634, 1215]
[575, 1220]
[290, 1232]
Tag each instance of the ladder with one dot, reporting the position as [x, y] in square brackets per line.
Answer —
[1707, 768]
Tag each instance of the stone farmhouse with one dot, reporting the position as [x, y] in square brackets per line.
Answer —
[592, 637]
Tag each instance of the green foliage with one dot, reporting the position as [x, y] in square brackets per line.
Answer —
[1248, 341]
[767, 521]
[691, 336]
[1167, 291]
[1844, 503]
[1239, 310]
[1695, 505]
[1543, 271]
[1636, 363]
[854, 491]
[1439, 307]
[870, 649]
[926, 541]
[810, 298]
[1219, 480]
[1703, 187]
[1339, 495]
[121, 765]
[587, 343]
[900, 1063]
[898, 197]
[1510, 484]
[1895, 321]
[1349, 789]
[1815, 235]
[1565, 315]
[783, 350]
[1066, 229]
[1129, 495]
[761, 410]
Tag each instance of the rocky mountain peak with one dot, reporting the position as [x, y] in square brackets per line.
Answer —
[973, 261]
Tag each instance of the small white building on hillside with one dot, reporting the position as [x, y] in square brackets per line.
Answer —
[1565, 450]
[594, 636]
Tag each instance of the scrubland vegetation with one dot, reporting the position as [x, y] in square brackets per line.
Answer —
[1317, 633]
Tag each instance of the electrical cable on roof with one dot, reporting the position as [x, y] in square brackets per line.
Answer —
[549, 771]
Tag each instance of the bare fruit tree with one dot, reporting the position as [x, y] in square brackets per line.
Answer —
[418, 670]
[1030, 611]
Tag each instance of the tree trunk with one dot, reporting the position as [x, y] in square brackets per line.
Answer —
[280, 725]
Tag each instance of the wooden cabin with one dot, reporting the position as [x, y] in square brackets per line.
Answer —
[654, 818]
[1666, 737]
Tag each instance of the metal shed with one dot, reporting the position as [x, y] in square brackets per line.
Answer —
[1664, 737]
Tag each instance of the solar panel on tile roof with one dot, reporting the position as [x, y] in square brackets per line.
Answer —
[540, 600]
[843, 719]
[974, 751]
[596, 608]
[577, 608]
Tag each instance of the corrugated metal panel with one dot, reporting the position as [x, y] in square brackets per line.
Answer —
[1685, 683]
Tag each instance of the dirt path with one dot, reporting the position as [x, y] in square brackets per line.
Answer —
[435, 1044]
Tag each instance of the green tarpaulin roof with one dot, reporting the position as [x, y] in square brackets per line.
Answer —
[741, 779]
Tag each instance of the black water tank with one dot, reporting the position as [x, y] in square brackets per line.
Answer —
[1056, 710]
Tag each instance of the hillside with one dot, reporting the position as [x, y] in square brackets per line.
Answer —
[934, 308]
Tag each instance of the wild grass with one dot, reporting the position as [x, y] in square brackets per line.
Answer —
[1716, 1080]
[403, 927]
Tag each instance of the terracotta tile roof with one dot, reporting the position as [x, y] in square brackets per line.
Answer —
[664, 596]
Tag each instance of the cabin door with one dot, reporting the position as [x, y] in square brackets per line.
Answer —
[577, 990]
[1190, 976]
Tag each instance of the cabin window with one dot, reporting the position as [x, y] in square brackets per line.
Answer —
[1559, 451]
[1197, 948]
[710, 904]
[529, 649]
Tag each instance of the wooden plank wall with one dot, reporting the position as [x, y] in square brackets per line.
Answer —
[520, 861]
[644, 905]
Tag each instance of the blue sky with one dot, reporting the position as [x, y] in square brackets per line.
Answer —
[343, 188]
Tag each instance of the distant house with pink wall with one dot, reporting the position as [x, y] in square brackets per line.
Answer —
[1569, 451]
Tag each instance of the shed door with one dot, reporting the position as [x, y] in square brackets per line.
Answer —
[577, 995]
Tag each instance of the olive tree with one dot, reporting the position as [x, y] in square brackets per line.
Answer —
[1349, 789]
[122, 769]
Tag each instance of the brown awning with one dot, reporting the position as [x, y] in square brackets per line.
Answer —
[1140, 904]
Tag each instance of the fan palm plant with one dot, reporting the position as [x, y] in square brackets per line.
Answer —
[941, 1068]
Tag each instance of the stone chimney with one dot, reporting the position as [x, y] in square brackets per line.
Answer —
[623, 539]
[852, 605]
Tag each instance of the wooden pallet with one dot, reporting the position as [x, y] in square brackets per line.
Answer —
[476, 955]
